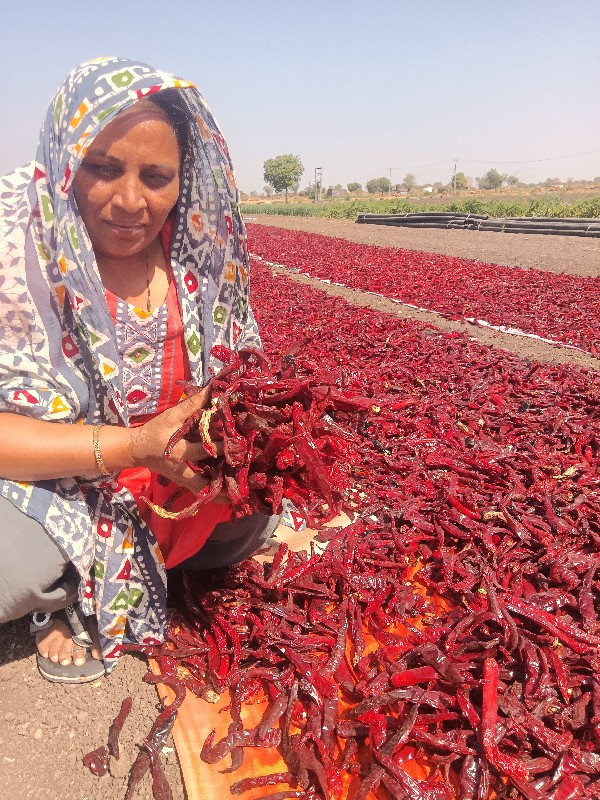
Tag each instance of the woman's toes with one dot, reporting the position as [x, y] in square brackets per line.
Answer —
[65, 654]
[78, 655]
[93, 629]
[42, 649]
[55, 643]
[51, 645]
[54, 648]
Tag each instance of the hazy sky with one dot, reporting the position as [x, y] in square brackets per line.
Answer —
[353, 87]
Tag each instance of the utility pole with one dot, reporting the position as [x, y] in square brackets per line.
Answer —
[390, 170]
[454, 175]
[318, 183]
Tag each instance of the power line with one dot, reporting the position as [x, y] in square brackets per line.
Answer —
[528, 161]
[497, 161]
[435, 164]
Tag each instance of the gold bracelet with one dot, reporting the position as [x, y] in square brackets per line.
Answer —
[97, 452]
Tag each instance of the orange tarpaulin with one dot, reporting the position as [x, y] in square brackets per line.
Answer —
[203, 781]
[197, 718]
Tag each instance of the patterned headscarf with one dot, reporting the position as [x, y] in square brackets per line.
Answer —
[58, 351]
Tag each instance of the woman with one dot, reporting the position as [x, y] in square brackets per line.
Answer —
[123, 262]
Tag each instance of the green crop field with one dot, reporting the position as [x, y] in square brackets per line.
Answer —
[543, 206]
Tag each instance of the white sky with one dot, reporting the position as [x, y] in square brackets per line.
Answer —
[351, 86]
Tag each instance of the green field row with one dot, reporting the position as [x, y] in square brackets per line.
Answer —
[507, 207]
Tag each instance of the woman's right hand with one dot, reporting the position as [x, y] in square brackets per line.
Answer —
[148, 443]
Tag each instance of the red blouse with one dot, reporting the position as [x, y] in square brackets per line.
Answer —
[154, 359]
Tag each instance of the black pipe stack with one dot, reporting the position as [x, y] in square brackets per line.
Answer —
[561, 226]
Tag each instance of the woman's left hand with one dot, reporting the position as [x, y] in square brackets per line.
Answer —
[149, 441]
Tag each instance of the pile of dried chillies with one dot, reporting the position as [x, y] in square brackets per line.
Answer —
[560, 307]
[479, 473]
[279, 440]
[490, 677]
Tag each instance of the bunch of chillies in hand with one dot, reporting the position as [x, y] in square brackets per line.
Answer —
[278, 436]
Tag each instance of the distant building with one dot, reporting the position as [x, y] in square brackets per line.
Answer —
[428, 189]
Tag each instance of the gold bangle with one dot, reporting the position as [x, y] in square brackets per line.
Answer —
[97, 452]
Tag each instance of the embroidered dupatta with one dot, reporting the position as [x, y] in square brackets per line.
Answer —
[58, 354]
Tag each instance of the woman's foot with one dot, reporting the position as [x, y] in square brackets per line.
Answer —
[57, 645]
[68, 646]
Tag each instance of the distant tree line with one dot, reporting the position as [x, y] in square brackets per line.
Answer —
[282, 175]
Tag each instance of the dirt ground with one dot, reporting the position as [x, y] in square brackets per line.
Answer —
[45, 729]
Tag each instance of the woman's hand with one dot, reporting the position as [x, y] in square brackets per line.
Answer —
[148, 443]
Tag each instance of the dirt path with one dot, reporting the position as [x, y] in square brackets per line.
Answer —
[46, 729]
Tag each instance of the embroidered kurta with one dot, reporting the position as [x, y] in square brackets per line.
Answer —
[153, 360]
[59, 359]
[151, 348]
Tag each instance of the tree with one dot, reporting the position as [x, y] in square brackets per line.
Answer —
[268, 190]
[491, 180]
[460, 181]
[354, 186]
[512, 180]
[409, 181]
[283, 172]
[309, 191]
[378, 185]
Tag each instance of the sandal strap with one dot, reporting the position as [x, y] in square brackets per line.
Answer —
[39, 621]
[76, 621]
[72, 616]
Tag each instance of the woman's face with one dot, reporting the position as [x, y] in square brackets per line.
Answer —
[128, 181]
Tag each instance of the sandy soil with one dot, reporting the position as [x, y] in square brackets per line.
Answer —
[45, 729]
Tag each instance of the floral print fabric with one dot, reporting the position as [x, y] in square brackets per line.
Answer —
[58, 352]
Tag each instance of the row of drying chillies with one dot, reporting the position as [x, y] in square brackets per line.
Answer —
[277, 436]
[478, 471]
[484, 468]
[564, 308]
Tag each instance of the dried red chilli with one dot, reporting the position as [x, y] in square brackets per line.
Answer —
[149, 756]
[277, 439]
[334, 566]
[97, 761]
[150, 748]
[116, 727]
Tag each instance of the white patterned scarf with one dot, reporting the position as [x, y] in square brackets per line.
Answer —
[58, 354]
